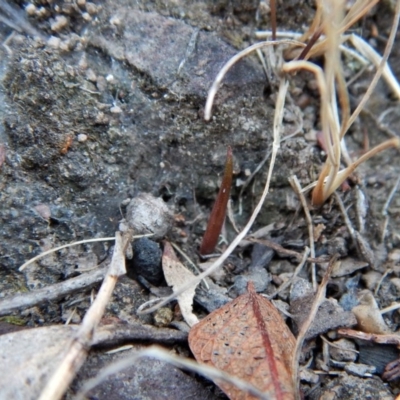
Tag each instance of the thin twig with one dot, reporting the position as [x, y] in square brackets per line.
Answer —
[378, 286]
[280, 249]
[45, 253]
[336, 346]
[320, 296]
[22, 301]
[386, 207]
[346, 219]
[294, 182]
[390, 308]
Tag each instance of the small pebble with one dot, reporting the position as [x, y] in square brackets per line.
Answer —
[86, 16]
[329, 316]
[371, 279]
[259, 276]
[31, 9]
[59, 24]
[116, 110]
[42, 12]
[43, 210]
[306, 375]
[148, 214]
[359, 369]
[54, 42]
[91, 8]
[82, 138]
[343, 351]
[90, 75]
[81, 3]
[300, 288]
[213, 298]
[163, 317]
[115, 21]
[394, 256]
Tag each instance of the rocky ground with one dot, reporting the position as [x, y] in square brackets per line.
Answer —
[103, 101]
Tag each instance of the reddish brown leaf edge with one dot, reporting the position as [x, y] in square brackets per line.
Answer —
[217, 217]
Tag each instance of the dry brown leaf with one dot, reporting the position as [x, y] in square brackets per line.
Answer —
[176, 276]
[247, 338]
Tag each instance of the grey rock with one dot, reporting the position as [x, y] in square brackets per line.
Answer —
[300, 288]
[359, 369]
[329, 316]
[161, 58]
[344, 350]
[259, 276]
[261, 255]
[351, 387]
[347, 267]
[211, 299]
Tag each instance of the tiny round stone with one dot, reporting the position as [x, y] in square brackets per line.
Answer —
[31, 9]
[60, 23]
[344, 350]
[82, 138]
[163, 317]
[148, 214]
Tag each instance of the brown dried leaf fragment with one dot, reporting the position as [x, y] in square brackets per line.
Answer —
[248, 339]
[217, 217]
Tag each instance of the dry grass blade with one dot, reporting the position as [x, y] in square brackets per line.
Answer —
[333, 24]
[249, 339]
[45, 253]
[294, 182]
[244, 53]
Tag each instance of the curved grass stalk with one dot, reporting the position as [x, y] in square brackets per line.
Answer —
[244, 53]
[345, 173]
[329, 125]
[367, 51]
[47, 252]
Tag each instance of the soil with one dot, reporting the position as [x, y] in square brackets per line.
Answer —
[102, 101]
